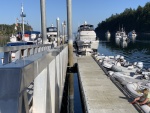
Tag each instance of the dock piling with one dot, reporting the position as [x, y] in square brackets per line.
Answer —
[43, 21]
[58, 36]
[70, 55]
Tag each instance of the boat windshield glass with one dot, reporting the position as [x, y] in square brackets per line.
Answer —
[51, 29]
[86, 28]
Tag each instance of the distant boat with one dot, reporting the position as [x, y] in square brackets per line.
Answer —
[121, 34]
[52, 35]
[132, 34]
[118, 35]
[86, 40]
[25, 35]
[107, 34]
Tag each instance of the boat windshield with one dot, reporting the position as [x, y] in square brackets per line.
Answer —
[86, 27]
[51, 29]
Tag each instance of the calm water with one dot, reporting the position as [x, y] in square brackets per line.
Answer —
[133, 50]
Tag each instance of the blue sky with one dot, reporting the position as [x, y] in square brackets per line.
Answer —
[92, 11]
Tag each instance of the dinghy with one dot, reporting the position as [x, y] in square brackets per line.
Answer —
[136, 88]
[125, 78]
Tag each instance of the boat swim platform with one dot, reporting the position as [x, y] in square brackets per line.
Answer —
[99, 93]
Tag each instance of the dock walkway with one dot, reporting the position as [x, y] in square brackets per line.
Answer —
[100, 95]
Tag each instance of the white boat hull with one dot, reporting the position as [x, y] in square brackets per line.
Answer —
[95, 44]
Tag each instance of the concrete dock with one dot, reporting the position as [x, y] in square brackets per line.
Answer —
[100, 95]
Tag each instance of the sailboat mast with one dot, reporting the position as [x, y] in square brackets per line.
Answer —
[22, 16]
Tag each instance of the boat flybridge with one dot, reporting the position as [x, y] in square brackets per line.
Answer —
[86, 40]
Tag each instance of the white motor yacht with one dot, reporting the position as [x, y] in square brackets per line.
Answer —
[86, 40]
[121, 34]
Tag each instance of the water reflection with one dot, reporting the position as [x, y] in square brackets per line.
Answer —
[121, 43]
[107, 38]
[124, 44]
[134, 50]
[117, 40]
[132, 39]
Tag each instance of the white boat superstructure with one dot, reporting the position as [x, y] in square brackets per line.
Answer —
[121, 34]
[52, 35]
[86, 40]
[118, 35]
[13, 38]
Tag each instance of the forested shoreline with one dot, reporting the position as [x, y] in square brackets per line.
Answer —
[7, 30]
[131, 19]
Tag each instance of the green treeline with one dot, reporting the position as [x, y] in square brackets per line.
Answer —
[131, 19]
[7, 30]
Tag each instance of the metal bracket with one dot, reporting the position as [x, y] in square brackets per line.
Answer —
[72, 69]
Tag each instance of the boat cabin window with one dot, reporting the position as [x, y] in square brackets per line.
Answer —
[51, 29]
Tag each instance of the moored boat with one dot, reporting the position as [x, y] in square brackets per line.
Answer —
[121, 34]
[108, 34]
[135, 88]
[132, 34]
[86, 40]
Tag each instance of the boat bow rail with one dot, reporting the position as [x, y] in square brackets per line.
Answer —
[34, 84]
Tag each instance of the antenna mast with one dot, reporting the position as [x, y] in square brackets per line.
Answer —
[22, 16]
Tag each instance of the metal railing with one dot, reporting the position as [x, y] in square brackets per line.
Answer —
[22, 51]
[35, 83]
